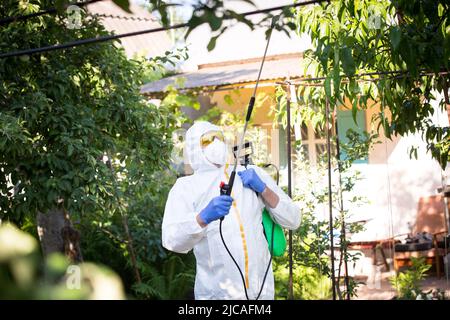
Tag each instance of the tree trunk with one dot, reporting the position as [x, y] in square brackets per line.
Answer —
[448, 112]
[56, 234]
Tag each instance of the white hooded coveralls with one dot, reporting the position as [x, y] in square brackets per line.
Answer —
[217, 276]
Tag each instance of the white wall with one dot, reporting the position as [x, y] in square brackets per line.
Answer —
[239, 42]
[394, 183]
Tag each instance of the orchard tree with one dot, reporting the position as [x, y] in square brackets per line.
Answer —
[74, 130]
[404, 45]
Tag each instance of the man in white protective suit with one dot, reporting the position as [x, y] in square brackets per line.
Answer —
[194, 208]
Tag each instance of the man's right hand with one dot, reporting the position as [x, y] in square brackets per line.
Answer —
[216, 209]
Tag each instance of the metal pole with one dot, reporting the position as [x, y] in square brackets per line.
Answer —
[343, 233]
[330, 196]
[252, 98]
[289, 161]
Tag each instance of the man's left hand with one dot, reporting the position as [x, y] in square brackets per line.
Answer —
[251, 180]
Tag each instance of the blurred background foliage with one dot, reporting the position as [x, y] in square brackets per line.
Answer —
[25, 275]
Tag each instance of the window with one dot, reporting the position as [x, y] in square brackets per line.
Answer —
[311, 144]
[307, 144]
[346, 122]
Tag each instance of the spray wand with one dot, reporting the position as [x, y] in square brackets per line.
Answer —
[226, 188]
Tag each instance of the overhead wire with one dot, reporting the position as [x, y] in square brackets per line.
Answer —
[84, 3]
[77, 43]
[360, 76]
[80, 42]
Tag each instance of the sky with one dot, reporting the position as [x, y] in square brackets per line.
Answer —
[238, 42]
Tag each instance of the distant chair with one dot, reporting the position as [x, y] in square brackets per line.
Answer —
[430, 219]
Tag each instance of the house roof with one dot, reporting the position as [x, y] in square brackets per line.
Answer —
[233, 72]
[118, 21]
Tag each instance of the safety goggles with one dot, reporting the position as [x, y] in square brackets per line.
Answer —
[209, 137]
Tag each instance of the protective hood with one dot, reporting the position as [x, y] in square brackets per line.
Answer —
[193, 149]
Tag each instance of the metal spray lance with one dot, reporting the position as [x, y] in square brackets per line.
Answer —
[225, 189]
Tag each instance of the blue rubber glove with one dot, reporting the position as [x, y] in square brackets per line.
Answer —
[251, 180]
[216, 208]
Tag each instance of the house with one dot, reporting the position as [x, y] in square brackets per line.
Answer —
[116, 20]
[234, 81]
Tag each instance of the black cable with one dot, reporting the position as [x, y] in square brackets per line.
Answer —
[136, 33]
[87, 41]
[273, 234]
[270, 261]
[82, 4]
[299, 4]
[394, 73]
[234, 260]
[41, 13]
[239, 268]
[276, 168]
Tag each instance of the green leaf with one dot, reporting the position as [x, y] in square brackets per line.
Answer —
[193, 23]
[51, 197]
[228, 100]
[184, 101]
[213, 40]
[327, 85]
[123, 4]
[348, 64]
[212, 43]
[69, 150]
[60, 5]
[214, 22]
[336, 56]
[65, 185]
[395, 36]
[354, 111]
[336, 82]
[336, 71]
[291, 26]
